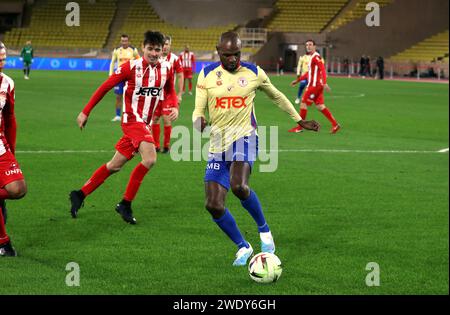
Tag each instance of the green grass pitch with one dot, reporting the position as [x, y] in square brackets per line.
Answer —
[334, 204]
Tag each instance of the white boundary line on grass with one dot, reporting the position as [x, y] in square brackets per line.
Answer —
[281, 150]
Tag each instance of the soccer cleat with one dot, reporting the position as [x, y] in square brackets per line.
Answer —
[26, 77]
[190, 92]
[335, 129]
[77, 201]
[297, 101]
[267, 243]
[166, 150]
[126, 213]
[116, 118]
[242, 255]
[296, 129]
[158, 149]
[4, 211]
[6, 250]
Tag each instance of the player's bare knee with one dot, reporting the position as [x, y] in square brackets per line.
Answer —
[320, 107]
[215, 208]
[17, 191]
[240, 190]
[148, 162]
[113, 167]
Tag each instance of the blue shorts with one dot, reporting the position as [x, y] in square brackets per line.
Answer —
[218, 168]
[118, 89]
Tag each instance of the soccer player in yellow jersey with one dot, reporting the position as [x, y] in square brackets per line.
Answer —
[121, 55]
[227, 90]
[302, 68]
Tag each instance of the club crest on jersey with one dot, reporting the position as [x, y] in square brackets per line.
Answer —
[242, 82]
[149, 91]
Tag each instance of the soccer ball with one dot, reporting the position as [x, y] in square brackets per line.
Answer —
[265, 268]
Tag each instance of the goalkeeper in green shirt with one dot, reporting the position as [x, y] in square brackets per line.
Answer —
[26, 55]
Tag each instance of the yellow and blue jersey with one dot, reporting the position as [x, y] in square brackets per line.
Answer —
[122, 55]
[303, 64]
[229, 97]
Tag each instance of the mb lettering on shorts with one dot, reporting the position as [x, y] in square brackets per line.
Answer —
[149, 91]
[228, 102]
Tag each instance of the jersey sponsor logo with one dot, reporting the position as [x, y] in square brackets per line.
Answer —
[149, 91]
[231, 101]
[13, 172]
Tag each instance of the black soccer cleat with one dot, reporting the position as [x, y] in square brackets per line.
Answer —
[166, 150]
[158, 149]
[126, 213]
[4, 211]
[76, 198]
[6, 250]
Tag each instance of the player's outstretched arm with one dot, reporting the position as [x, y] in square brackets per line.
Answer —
[309, 125]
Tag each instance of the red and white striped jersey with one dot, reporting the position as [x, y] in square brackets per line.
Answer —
[7, 116]
[317, 75]
[187, 59]
[175, 62]
[145, 87]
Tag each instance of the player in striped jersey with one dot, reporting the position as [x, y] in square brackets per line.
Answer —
[147, 83]
[12, 182]
[317, 82]
[165, 112]
[227, 89]
[187, 59]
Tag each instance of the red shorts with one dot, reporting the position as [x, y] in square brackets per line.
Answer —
[9, 169]
[313, 95]
[187, 73]
[133, 135]
[162, 109]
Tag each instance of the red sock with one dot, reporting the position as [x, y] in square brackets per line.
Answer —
[99, 176]
[167, 132]
[156, 130]
[3, 236]
[3, 193]
[190, 86]
[137, 175]
[329, 116]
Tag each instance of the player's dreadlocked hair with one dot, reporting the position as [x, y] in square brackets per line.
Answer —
[154, 38]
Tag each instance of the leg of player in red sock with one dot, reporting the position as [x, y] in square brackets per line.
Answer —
[303, 112]
[167, 132]
[156, 131]
[148, 154]
[190, 86]
[326, 112]
[77, 197]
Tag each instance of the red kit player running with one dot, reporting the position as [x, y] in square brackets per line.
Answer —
[165, 111]
[317, 82]
[12, 182]
[187, 59]
[148, 82]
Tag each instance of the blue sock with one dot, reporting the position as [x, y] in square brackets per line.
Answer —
[229, 226]
[117, 111]
[301, 88]
[253, 206]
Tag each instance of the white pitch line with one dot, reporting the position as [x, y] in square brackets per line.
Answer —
[280, 150]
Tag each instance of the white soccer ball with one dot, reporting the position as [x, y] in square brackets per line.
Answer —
[265, 268]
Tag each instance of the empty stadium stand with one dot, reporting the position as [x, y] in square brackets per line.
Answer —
[48, 26]
[304, 16]
[142, 17]
[431, 49]
[354, 10]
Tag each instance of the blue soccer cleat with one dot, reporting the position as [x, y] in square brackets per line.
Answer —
[242, 255]
[267, 243]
